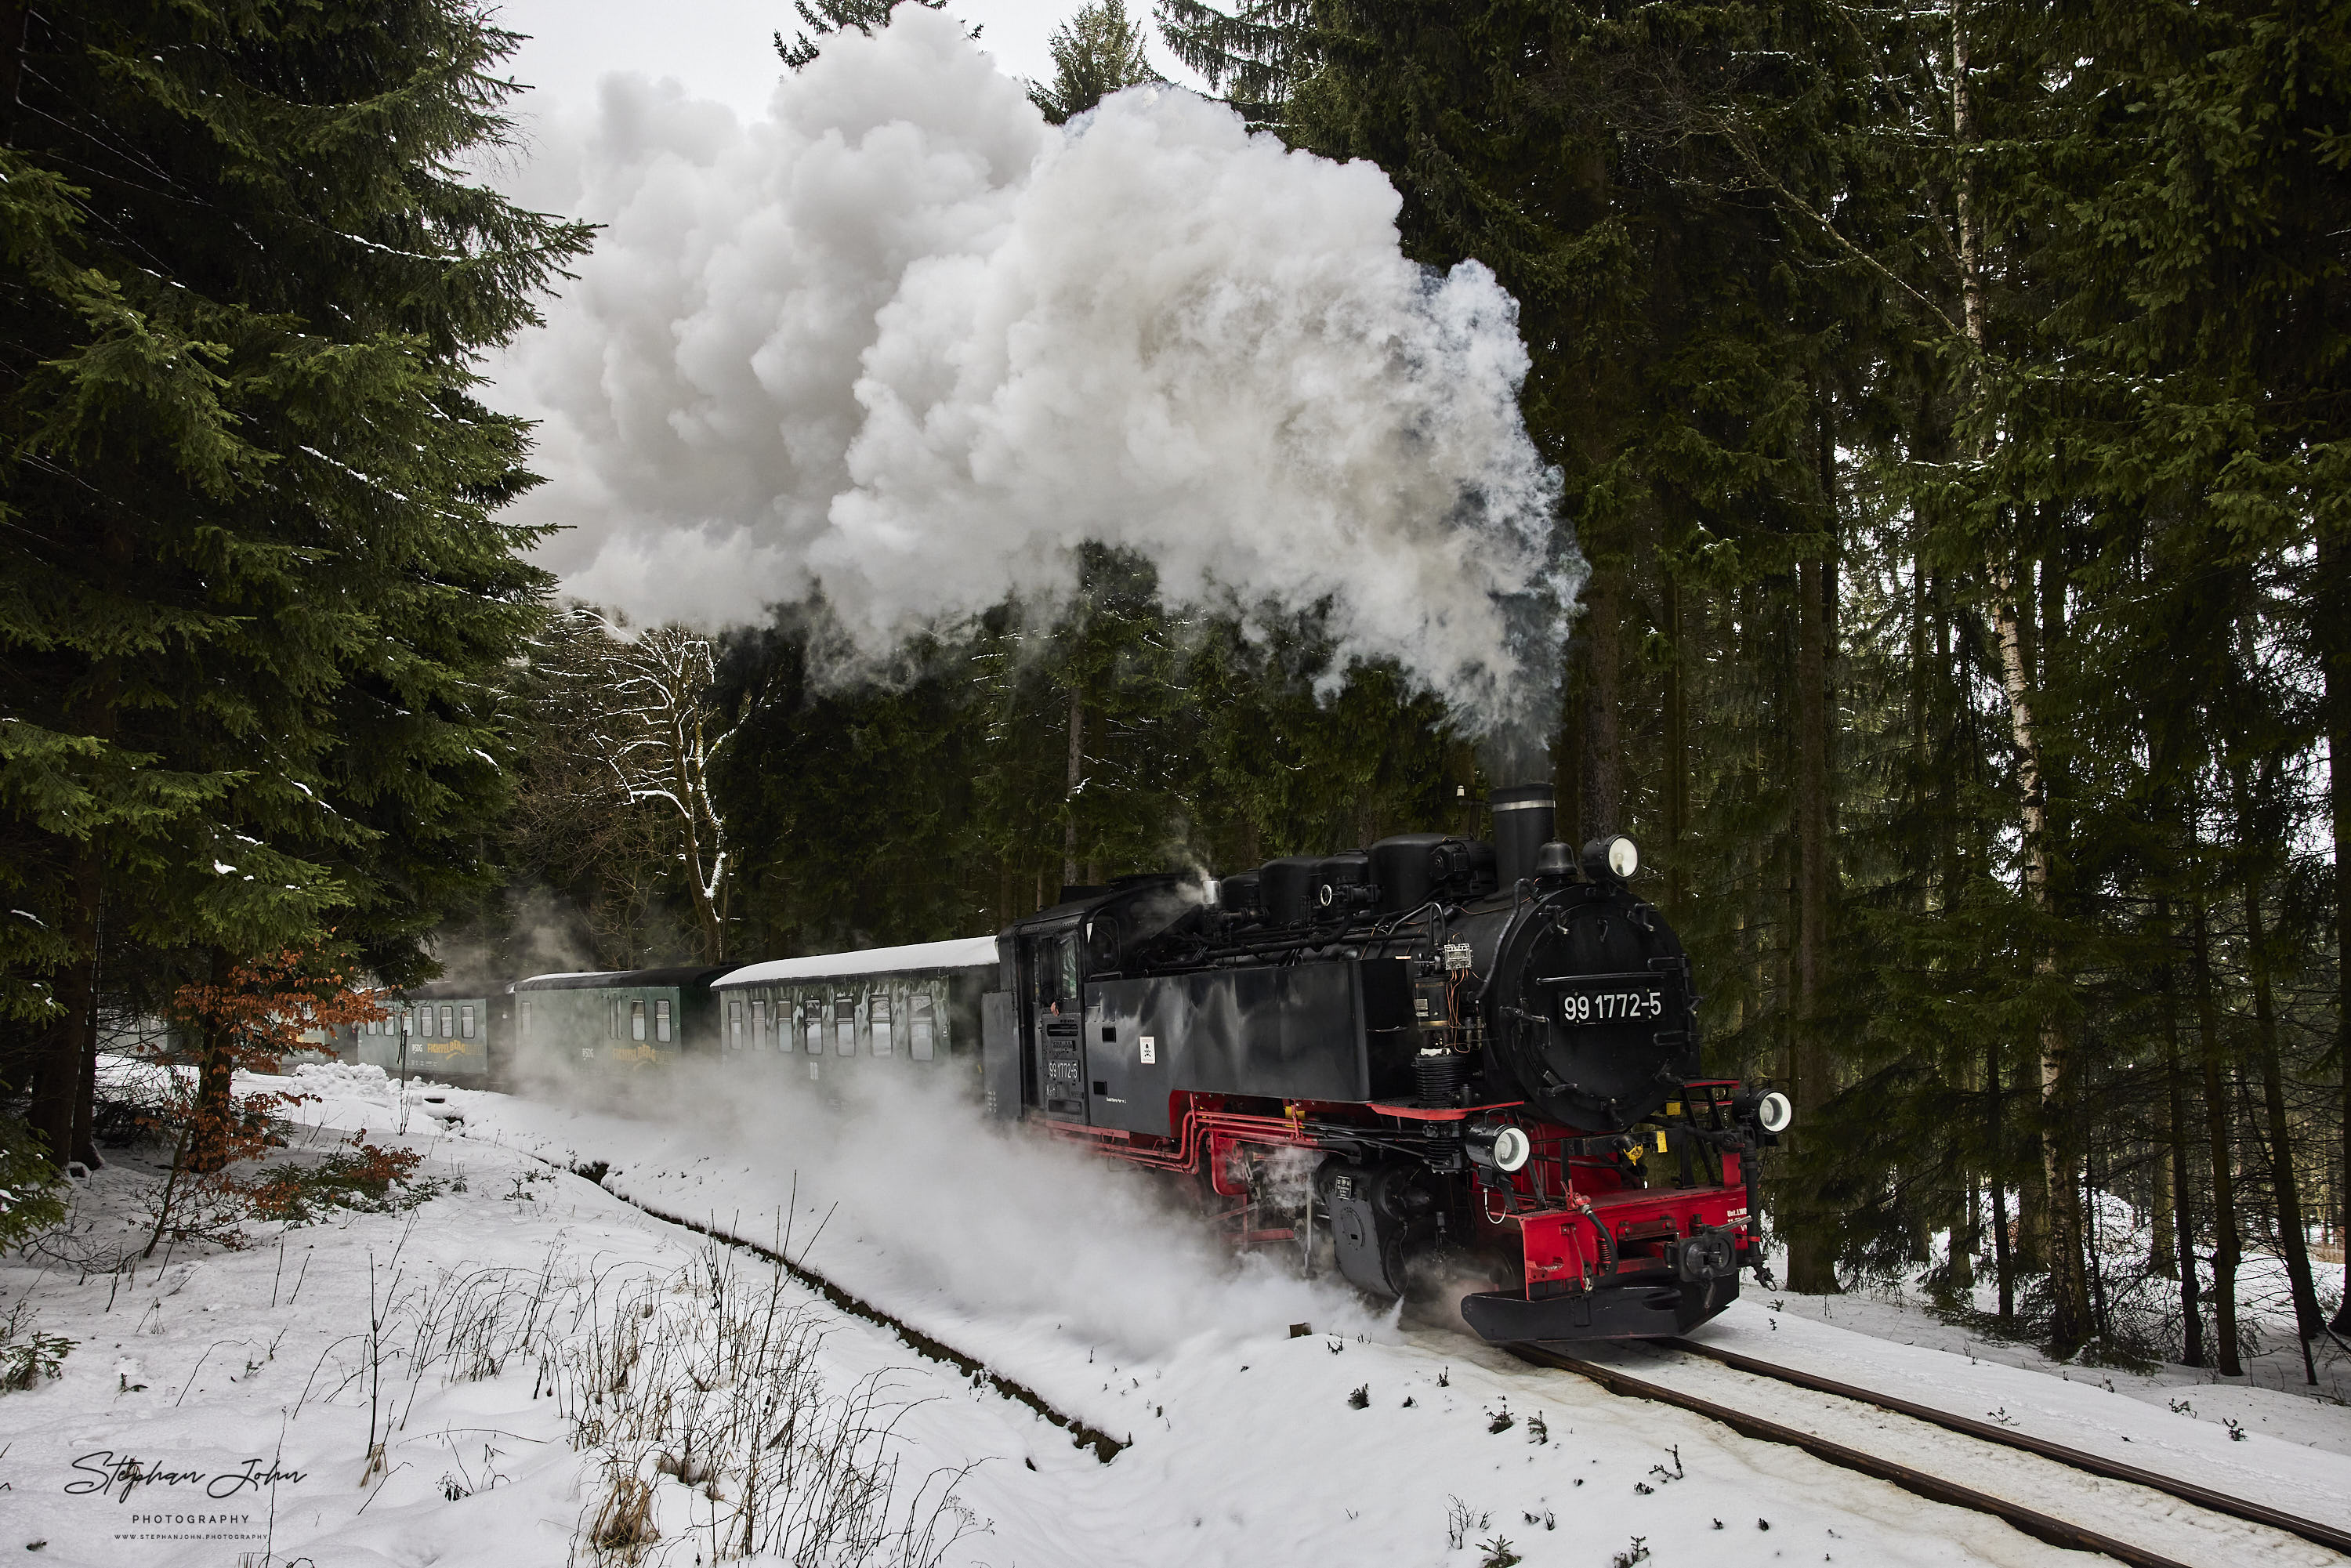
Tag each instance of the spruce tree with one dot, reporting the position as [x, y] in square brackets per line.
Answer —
[256, 574]
[1096, 53]
[831, 16]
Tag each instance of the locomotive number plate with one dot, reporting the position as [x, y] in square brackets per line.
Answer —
[1586, 999]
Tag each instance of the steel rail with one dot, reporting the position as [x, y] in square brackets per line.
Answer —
[2206, 1497]
[2043, 1527]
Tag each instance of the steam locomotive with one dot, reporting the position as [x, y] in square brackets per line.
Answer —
[1446, 1057]
[1439, 1059]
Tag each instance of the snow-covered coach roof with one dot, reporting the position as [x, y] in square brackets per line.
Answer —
[915, 957]
[674, 974]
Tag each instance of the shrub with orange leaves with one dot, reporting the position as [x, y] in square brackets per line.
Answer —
[249, 1018]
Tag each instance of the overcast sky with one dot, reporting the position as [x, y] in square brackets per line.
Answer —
[720, 49]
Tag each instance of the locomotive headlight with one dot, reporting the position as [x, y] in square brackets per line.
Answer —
[1773, 1113]
[1612, 859]
[1500, 1145]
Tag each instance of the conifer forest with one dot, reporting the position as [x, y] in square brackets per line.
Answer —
[1952, 407]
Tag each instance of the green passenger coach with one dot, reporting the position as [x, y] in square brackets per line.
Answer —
[617, 1019]
[444, 1032]
[839, 1017]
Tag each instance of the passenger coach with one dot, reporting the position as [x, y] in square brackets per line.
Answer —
[839, 1016]
[619, 1019]
[446, 1033]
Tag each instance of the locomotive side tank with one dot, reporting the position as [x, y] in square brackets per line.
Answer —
[1436, 1056]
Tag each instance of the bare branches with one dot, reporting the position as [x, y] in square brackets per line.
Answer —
[618, 796]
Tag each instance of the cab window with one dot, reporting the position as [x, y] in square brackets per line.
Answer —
[1057, 973]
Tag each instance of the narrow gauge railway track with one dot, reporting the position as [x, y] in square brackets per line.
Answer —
[2045, 1527]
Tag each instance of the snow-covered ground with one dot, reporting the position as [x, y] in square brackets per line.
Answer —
[2272, 1398]
[1079, 1282]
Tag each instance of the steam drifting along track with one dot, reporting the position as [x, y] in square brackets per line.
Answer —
[1912, 1478]
[1082, 1434]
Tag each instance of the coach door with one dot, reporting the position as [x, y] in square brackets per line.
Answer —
[1054, 1013]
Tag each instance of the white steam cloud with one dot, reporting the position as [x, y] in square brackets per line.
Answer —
[904, 343]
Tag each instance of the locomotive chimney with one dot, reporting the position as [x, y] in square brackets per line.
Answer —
[1523, 820]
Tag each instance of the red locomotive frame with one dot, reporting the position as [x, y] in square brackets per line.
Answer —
[1582, 1228]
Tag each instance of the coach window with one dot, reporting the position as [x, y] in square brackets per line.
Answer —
[844, 1024]
[466, 1020]
[525, 1021]
[759, 1024]
[734, 1024]
[636, 1020]
[919, 1026]
[448, 1021]
[661, 1019]
[880, 1015]
[813, 1007]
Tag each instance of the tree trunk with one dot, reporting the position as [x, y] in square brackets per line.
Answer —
[85, 1127]
[2332, 621]
[2032, 1215]
[1812, 1248]
[2002, 1250]
[706, 864]
[1566, 755]
[2162, 1259]
[1677, 746]
[1077, 777]
[2181, 1251]
[208, 1118]
[2226, 1254]
[65, 1072]
[2292, 1241]
[1946, 810]
[56, 1078]
[1922, 764]
[1602, 787]
[1967, 1237]
[2069, 1303]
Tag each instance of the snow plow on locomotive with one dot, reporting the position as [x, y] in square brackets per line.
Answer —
[1441, 1056]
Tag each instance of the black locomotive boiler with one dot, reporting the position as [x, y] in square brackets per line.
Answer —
[1435, 1052]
